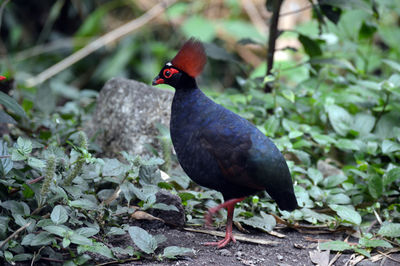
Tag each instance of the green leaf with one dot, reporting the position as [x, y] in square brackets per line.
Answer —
[57, 230]
[87, 231]
[389, 146]
[116, 231]
[36, 163]
[390, 229]
[340, 119]
[165, 207]
[79, 239]
[83, 204]
[334, 181]
[41, 239]
[96, 247]
[374, 243]
[6, 164]
[143, 240]
[334, 245]
[12, 105]
[346, 213]
[113, 167]
[315, 175]
[394, 65]
[391, 176]
[59, 215]
[264, 222]
[311, 47]
[6, 118]
[375, 186]
[172, 252]
[288, 94]
[24, 146]
[363, 123]
[367, 30]
[363, 252]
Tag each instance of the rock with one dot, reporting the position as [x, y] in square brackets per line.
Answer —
[171, 217]
[225, 252]
[127, 115]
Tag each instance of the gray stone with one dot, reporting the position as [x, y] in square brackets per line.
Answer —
[224, 252]
[126, 116]
[170, 217]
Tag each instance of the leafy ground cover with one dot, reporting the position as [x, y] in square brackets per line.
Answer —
[333, 111]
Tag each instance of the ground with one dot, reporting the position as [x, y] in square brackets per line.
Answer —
[294, 249]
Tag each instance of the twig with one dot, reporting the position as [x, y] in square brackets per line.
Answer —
[14, 234]
[117, 261]
[254, 16]
[334, 259]
[5, 156]
[240, 237]
[387, 256]
[295, 11]
[100, 42]
[273, 35]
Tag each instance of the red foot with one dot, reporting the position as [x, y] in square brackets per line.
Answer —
[230, 206]
[222, 243]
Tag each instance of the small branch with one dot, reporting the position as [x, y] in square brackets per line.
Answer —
[296, 11]
[5, 156]
[240, 237]
[273, 35]
[100, 42]
[254, 16]
[14, 234]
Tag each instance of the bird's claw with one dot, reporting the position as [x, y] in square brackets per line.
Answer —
[222, 243]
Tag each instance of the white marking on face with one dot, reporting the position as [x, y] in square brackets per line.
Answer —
[168, 64]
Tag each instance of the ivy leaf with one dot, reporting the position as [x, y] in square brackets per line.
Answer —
[59, 215]
[390, 229]
[172, 252]
[334, 245]
[143, 240]
[346, 213]
[87, 231]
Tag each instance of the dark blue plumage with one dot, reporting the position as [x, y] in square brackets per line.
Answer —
[219, 149]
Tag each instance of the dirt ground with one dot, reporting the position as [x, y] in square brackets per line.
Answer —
[294, 249]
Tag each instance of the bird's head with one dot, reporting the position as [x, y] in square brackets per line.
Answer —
[188, 63]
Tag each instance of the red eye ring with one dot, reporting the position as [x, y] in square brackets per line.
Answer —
[169, 72]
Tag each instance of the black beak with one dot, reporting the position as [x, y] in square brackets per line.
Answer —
[157, 80]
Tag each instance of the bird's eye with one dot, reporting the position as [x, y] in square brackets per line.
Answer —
[169, 72]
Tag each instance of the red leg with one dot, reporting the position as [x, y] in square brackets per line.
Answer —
[230, 206]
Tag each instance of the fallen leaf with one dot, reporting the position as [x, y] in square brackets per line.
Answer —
[141, 215]
[320, 258]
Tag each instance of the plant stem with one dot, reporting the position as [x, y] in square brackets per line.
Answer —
[273, 35]
[381, 113]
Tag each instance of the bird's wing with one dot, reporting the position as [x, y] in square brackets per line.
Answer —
[230, 147]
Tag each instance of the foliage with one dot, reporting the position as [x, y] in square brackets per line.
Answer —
[333, 112]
